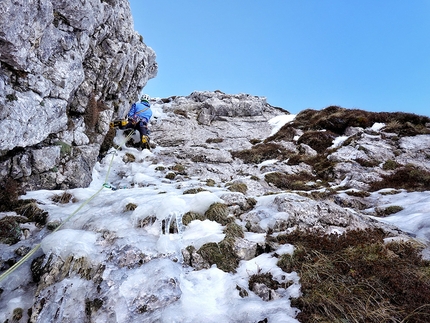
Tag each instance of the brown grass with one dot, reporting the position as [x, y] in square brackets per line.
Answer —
[63, 198]
[337, 119]
[261, 152]
[409, 177]
[318, 140]
[286, 133]
[355, 277]
[290, 181]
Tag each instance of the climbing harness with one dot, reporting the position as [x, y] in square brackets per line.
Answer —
[35, 248]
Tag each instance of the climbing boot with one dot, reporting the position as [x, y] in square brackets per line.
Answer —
[145, 142]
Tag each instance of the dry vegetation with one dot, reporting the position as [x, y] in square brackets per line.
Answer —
[262, 152]
[337, 119]
[284, 181]
[355, 277]
[318, 140]
[27, 210]
[409, 177]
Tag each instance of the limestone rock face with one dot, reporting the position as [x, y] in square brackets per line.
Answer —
[66, 68]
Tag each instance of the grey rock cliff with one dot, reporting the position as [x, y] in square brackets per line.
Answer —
[66, 68]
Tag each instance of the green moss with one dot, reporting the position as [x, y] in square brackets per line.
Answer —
[221, 254]
[233, 230]
[65, 149]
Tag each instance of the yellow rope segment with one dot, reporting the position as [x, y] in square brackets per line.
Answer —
[35, 248]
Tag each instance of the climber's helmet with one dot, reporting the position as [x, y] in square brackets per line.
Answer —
[145, 98]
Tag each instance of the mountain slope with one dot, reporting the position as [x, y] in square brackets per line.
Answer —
[222, 218]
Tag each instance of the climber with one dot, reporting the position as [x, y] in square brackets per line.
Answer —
[138, 118]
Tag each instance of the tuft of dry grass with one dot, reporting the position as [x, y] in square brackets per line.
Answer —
[408, 177]
[219, 212]
[214, 140]
[318, 140]
[382, 212]
[261, 152]
[337, 119]
[194, 190]
[130, 207]
[237, 187]
[358, 193]
[290, 181]
[63, 198]
[181, 112]
[390, 165]
[355, 277]
[286, 133]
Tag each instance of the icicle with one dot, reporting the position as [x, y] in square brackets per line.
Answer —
[179, 223]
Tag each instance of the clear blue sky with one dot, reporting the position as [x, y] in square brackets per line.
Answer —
[367, 54]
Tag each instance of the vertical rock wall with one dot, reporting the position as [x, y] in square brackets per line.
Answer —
[66, 67]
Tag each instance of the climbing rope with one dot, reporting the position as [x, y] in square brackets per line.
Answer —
[35, 248]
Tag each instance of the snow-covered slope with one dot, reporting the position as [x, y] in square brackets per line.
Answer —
[142, 243]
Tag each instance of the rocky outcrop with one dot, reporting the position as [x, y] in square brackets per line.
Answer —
[66, 68]
[267, 186]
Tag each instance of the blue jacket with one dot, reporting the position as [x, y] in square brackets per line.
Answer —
[140, 110]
